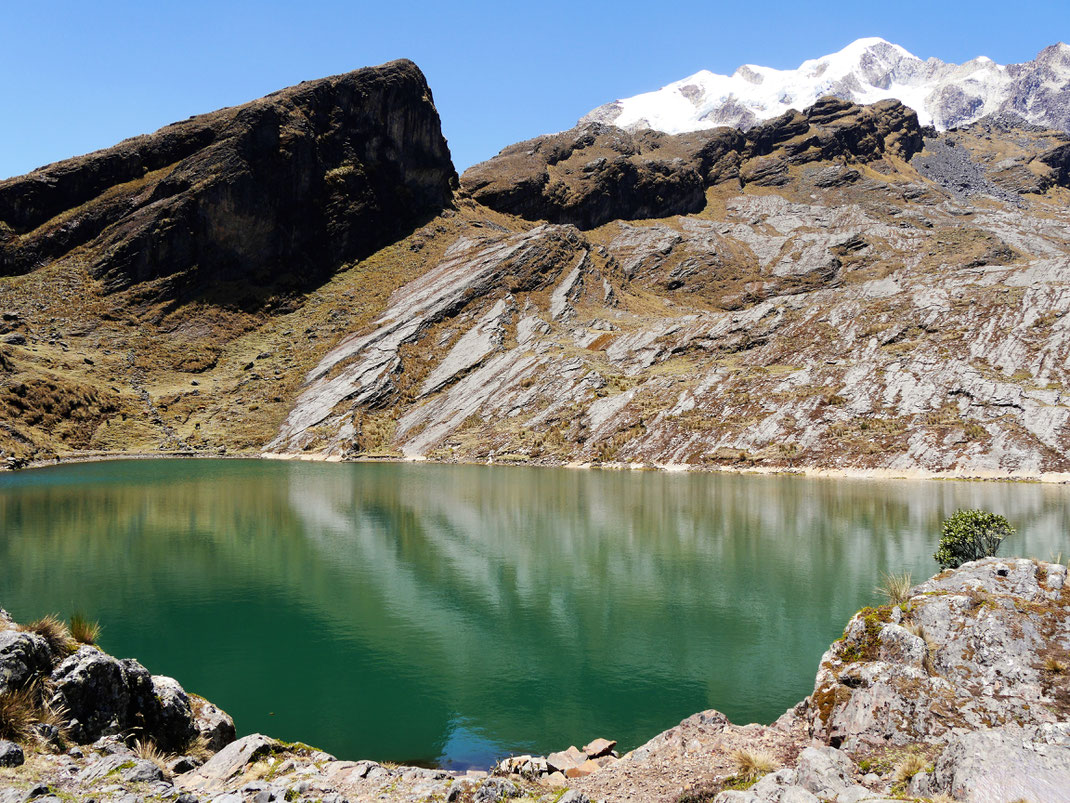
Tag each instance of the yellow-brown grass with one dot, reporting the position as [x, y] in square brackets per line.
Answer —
[909, 766]
[55, 633]
[18, 714]
[83, 630]
[752, 764]
[147, 750]
[896, 587]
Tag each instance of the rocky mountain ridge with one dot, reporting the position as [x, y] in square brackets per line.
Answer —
[837, 289]
[866, 71]
[958, 690]
[259, 199]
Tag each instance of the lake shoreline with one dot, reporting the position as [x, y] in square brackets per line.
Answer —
[812, 472]
[833, 745]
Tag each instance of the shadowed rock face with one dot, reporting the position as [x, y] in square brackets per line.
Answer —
[274, 194]
[597, 173]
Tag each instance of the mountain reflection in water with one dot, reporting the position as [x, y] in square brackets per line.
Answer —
[453, 614]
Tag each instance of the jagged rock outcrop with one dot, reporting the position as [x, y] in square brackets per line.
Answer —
[91, 694]
[270, 196]
[596, 173]
[968, 650]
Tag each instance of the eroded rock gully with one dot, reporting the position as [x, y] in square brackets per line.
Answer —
[961, 690]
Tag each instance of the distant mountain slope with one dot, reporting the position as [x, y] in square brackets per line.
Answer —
[944, 95]
[835, 288]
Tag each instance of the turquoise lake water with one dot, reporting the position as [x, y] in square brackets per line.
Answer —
[451, 615]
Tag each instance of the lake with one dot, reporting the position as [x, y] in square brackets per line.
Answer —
[450, 615]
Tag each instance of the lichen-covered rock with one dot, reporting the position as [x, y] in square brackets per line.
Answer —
[824, 771]
[11, 754]
[23, 657]
[103, 696]
[969, 651]
[493, 790]
[169, 716]
[213, 724]
[99, 692]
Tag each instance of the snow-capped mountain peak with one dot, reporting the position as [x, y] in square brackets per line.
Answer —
[867, 70]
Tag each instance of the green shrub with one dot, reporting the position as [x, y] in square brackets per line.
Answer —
[970, 535]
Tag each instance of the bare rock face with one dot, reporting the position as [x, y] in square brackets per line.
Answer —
[104, 696]
[596, 173]
[968, 650]
[1008, 763]
[23, 656]
[271, 195]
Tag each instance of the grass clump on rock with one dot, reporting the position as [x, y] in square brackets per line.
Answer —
[18, 714]
[970, 535]
[22, 710]
[896, 588]
[83, 630]
[55, 633]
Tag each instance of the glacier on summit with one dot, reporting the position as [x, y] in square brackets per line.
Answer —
[944, 95]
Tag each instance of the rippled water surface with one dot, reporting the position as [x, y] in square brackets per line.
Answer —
[448, 615]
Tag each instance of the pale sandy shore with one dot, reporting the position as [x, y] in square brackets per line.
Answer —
[795, 470]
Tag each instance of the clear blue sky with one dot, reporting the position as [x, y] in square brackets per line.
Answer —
[78, 76]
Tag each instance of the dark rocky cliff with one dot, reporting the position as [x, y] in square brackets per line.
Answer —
[596, 173]
[273, 194]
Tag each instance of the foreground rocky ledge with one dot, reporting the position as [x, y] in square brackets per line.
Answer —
[958, 692]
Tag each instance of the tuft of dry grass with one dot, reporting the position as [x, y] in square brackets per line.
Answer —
[22, 710]
[750, 765]
[18, 714]
[1054, 666]
[198, 748]
[909, 766]
[83, 630]
[147, 750]
[928, 663]
[896, 587]
[55, 633]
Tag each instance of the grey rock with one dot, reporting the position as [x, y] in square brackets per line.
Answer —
[228, 763]
[1006, 764]
[492, 790]
[854, 794]
[212, 723]
[11, 754]
[142, 771]
[573, 796]
[772, 785]
[986, 627]
[15, 339]
[104, 696]
[824, 771]
[182, 764]
[104, 766]
[170, 720]
[23, 657]
[100, 693]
